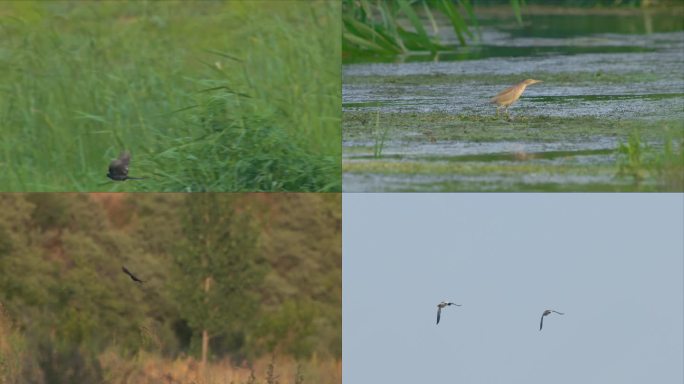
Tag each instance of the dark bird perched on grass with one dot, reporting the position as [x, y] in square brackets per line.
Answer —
[118, 168]
[442, 305]
[133, 277]
[546, 313]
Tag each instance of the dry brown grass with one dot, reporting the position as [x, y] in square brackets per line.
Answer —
[150, 369]
[11, 351]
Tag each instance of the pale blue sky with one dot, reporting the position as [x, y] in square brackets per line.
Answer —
[613, 263]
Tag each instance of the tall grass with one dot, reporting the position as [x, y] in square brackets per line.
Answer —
[208, 96]
[19, 366]
[13, 353]
[379, 137]
[374, 27]
[151, 369]
[663, 166]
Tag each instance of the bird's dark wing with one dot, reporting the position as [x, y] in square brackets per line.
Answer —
[439, 312]
[133, 277]
[541, 323]
[119, 167]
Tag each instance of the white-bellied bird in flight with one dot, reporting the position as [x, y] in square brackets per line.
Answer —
[546, 313]
[442, 305]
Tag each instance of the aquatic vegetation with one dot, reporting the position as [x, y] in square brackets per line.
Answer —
[374, 28]
[670, 166]
[470, 152]
[379, 135]
[640, 161]
[598, 87]
[632, 162]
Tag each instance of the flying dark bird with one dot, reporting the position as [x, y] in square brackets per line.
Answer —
[546, 313]
[118, 168]
[442, 305]
[133, 277]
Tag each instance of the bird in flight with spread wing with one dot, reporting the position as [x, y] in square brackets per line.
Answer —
[442, 305]
[546, 313]
[132, 276]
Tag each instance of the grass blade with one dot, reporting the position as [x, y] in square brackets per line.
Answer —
[365, 35]
[457, 21]
[421, 34]
[227, 56]
[515, 4]
[471, 13]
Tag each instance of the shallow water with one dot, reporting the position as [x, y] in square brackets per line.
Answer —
[533, 182]
[469, 149]
[591, 70]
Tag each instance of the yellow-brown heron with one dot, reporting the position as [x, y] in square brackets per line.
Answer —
[510, 95]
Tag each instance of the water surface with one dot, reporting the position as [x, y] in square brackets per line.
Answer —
[605, 77]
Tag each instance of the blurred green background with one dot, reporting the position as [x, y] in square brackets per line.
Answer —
[377, 29]
[207, 95]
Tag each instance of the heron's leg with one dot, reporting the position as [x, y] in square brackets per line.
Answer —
[508, 116]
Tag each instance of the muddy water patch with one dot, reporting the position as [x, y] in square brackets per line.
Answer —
[538, 182]
[667, 62]
[456, 148]
[564, 25]
[661, 98]
[483, 51]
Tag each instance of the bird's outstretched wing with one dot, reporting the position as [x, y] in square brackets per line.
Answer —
[541, 323]
[439, 312]
[132, 276]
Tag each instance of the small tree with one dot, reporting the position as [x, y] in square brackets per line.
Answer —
[218, 266]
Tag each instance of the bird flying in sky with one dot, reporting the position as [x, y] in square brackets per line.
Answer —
[546, 313]
[442, 305]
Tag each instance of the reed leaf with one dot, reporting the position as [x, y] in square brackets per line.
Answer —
[515, 4]
[417, 25]
[457, 21]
